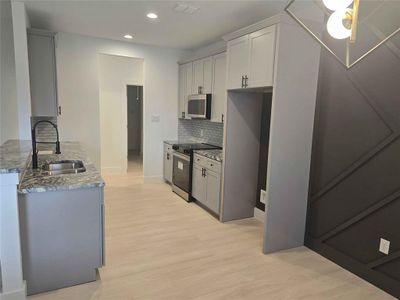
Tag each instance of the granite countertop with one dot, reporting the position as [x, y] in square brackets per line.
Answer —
[34, 181]
[14, 155]
[171, 142]
[215, 154]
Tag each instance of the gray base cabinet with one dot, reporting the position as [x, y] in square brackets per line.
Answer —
[62, 237]
[206, 182]
[168, 162]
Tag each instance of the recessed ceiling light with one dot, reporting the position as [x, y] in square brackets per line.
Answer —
[128, 36]
[152, 16]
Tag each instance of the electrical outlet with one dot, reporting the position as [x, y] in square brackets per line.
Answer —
[263, 196]
[201, 132]
[384, 246]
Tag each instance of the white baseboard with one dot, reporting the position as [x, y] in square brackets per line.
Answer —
[111, 170]
[15, 295]
[153, 179]
[259, 214]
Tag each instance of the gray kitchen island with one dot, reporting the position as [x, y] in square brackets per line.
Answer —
[61, 219]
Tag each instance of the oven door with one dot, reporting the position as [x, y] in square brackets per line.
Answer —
[181, 174]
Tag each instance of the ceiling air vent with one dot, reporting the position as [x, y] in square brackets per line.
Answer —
[185, 8]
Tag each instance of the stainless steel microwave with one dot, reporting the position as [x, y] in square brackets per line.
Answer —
[199, 106]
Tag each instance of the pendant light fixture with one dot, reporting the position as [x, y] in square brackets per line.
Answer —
[341, 20]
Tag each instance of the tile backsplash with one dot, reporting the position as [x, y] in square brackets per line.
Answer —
[190, 130]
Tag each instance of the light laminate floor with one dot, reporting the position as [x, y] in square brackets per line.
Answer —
[160, 247]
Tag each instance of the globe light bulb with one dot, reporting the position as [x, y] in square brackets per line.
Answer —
[337, 4]
[335, 25]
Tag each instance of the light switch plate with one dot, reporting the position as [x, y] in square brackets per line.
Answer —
[384, 246]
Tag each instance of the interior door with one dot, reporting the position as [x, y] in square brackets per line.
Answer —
[213, 190]
[134, 95]
[237, 61]
[261, 57]
[219, 95]
[198, 184]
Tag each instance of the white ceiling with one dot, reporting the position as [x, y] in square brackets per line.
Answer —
[113, 19]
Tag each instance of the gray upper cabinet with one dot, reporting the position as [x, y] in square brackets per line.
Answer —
[42, 72]
[219, 96]
[202, 76]
[251, 60]
[208, 76]
[185, 88]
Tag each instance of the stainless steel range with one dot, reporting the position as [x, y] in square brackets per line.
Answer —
[183, 166]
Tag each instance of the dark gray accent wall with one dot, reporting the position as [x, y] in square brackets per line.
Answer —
[354, 197]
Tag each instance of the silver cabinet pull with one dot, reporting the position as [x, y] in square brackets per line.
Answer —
[222, 118]
[245, 81]
[242, 81]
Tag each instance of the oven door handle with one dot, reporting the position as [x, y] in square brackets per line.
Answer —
[182, 156]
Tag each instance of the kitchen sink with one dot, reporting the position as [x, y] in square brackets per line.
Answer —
[64, 167]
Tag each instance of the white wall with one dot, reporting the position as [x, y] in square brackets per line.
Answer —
[8, 97]
[77, 67]
[20, 24]
[115, 72]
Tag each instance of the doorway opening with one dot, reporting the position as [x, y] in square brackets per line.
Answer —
[135, 129]
[116, 75]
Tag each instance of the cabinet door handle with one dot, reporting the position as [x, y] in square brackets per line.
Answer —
[245, 81]
[222, 118]
[242, 81]
[59, 110]
[202, 172]
[205, 174]
[167, 156]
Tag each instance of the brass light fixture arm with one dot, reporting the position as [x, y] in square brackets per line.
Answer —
[354, 23]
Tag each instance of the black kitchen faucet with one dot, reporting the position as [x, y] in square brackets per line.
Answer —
[34, 151]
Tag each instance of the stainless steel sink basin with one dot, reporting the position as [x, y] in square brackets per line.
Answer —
[64, 167]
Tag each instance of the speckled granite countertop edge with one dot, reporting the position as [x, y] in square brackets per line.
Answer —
[214, 154]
